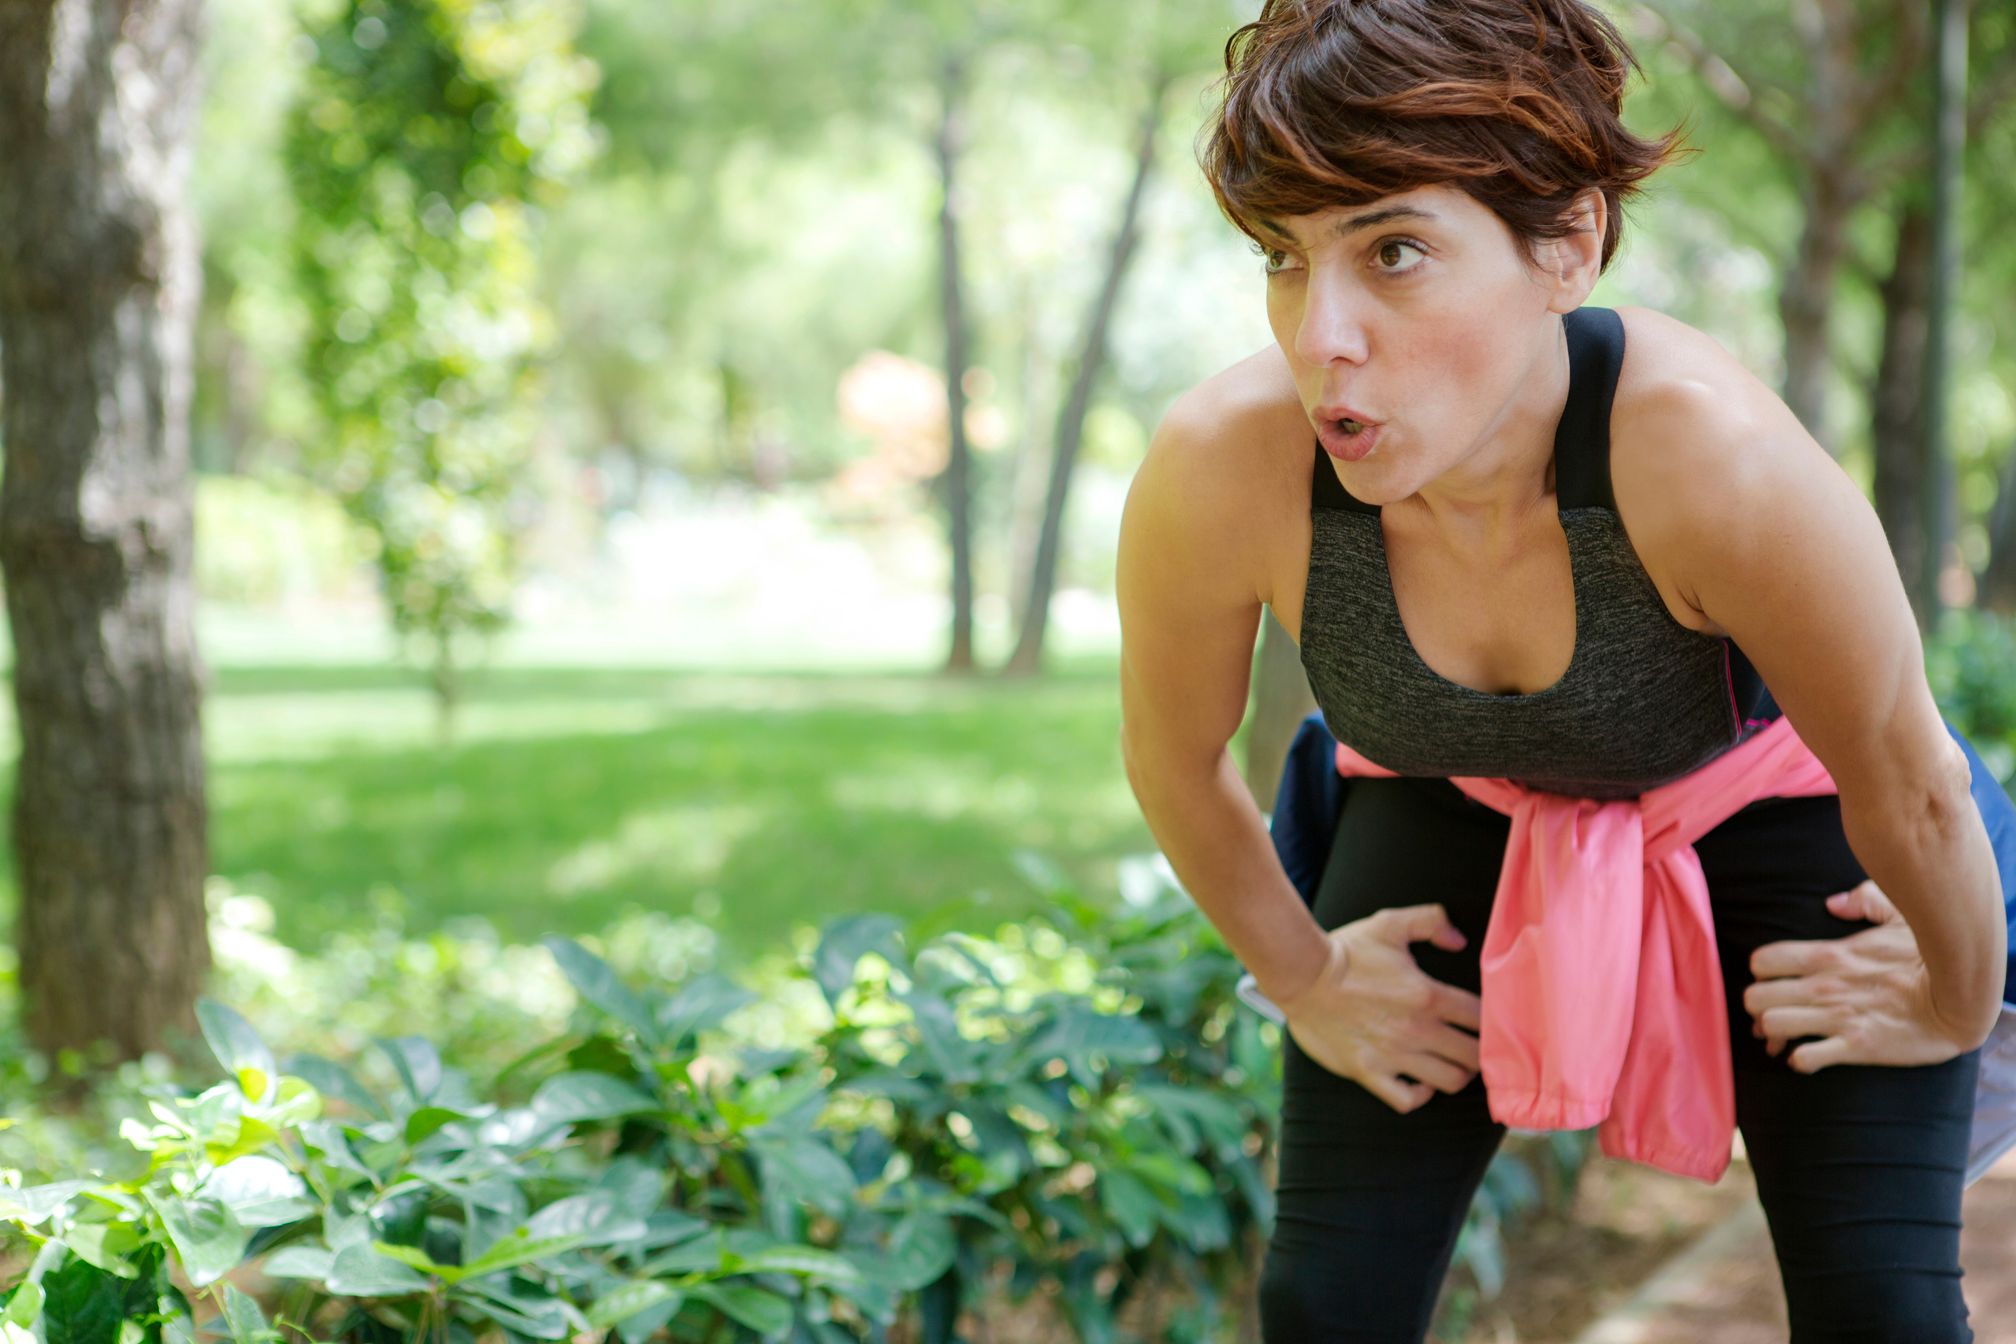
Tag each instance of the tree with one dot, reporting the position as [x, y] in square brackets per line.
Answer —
[98, 288]
[422, 139]
[1027, 656]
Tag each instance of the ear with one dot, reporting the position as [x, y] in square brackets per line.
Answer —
[1574, 263]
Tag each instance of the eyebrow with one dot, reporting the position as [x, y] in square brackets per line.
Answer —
[1344, 227]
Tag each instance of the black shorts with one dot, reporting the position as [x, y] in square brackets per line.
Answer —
[1859, 1167]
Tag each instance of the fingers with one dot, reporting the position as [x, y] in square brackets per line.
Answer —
[1778, 1025]
[1437, 1072]
[1401, 1096]
[1459, 1048]
[1817, 1055]
[1458, 1007]
[1864, 901]
[1422, 923]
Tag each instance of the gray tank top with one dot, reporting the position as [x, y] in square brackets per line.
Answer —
[1644, 700]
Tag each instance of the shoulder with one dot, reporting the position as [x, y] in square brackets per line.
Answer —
[1700, 447]
[1218, 461]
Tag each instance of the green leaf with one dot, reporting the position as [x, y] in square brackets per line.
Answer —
[333, 1080]
[748, 1304]
[361, 1271]
[25, 1304]
[82, 1304]
[31, 1204]
[1129, 1203]
[699, 1005]
[514, 1248]
[633, 1297]
[260, 1191]
[249, 1135]
[301, 1261]
[921, 1247]
[596, 1217]
[816, 1261]
[237, 1047]
[427, 1119]
[244, 1319]
[208, 1238]
[409, 1255]
[417, 1062]
[589, 1096]
[596, 981]
[539, 1317]
[843, 942]
[808, 1170]
[105, 1245]
[950, 1053]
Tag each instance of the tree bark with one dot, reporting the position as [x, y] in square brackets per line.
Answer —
[1935, 454]
[1995, 589]
[1027, 657]
[956, 482]
[98, 286]
[1898, 397]
[1806, 302]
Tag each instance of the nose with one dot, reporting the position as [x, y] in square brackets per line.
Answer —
[1333, 321]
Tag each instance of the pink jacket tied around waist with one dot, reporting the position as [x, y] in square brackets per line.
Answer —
[1602, 994]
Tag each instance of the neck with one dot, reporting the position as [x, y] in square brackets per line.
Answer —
[1486, 499]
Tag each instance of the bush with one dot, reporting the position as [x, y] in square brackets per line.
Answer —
[1970, 661]
[1076, 1110]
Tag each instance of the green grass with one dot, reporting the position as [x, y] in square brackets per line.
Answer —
[751, 799]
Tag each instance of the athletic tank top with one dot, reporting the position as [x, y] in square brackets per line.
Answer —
[1644, 699]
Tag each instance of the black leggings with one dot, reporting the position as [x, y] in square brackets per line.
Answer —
[1859, 1167]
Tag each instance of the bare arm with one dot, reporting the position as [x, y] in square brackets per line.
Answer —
[1189, 611]
[1772, 541]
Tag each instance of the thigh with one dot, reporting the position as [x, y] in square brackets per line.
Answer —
[1859, 1167]
[1369, 1201]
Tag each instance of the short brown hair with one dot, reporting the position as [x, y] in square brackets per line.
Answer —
[1516, 102]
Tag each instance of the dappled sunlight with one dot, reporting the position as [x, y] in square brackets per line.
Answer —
[686, 844]
[936, 788]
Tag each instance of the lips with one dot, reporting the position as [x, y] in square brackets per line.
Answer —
[1350, 447]
[1334, 411]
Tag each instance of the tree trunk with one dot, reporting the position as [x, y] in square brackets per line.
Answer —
[1996, 588]
[98, 286]
[1935, 456]
[1806, 301]
[1027, 657]
[1898, 398]
[956, 482]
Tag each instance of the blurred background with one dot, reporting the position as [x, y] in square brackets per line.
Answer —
[654, 468]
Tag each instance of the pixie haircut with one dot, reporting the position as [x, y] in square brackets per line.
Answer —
[1516, 102]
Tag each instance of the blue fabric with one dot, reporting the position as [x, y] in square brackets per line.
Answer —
[1311, 794]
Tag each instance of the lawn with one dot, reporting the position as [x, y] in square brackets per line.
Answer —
[752, 799]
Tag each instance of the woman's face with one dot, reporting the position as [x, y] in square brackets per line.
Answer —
[1419, 312]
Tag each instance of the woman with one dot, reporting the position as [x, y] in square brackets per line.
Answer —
[1577, 548]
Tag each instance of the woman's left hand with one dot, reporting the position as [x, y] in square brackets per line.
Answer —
[1867, 994]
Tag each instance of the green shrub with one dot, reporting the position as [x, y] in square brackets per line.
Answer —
[1073, 1113]
[1970, 661]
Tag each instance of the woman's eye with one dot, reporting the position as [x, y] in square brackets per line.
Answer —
[1389, 245]
[1272, 259]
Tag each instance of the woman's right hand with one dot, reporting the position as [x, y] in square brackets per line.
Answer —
[1373, 1014]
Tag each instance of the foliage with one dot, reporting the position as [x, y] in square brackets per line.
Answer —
[273, 542]
[1078, 1103]
[1968, 661]
[420, 142]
